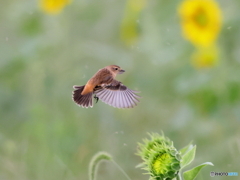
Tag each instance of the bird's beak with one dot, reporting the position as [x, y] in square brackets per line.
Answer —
[121, 71]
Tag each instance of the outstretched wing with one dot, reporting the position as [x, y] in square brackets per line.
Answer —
[117, 95]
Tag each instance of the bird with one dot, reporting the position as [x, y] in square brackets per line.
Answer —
[105, 87]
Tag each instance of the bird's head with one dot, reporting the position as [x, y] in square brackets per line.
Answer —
[115, 69]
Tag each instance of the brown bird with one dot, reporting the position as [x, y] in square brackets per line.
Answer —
[104, 87]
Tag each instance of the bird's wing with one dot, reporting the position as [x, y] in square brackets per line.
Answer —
[117, 95]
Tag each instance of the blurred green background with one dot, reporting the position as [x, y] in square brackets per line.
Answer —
[44, 135]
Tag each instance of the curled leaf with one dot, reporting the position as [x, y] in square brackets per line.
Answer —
[96, 159]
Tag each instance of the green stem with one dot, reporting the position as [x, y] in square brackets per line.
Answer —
[125, 174]
[94, 163]
[179, 177]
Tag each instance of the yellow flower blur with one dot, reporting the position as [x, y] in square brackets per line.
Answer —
[205, 57]
[53, 6]
[201, 21]
[129, 27]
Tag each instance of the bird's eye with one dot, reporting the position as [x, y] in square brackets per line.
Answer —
[116, 68]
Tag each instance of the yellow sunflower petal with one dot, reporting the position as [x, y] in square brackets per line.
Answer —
[53, 6]
[201, 21]
[205, 57]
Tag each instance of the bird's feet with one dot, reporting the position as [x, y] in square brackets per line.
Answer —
[96, 98]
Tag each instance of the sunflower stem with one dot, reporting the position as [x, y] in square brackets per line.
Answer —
[125, 174]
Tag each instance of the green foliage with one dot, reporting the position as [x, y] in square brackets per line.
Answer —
[192, 173]
[32, 25]
[186, 148]
[160, 158]
[188, 156]
[205, 100]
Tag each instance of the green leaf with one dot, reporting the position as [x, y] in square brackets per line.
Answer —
[188, 157]
[96, 159]
[186, 148]
[192, 173]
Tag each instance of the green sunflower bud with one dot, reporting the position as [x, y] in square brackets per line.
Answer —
[161, 159]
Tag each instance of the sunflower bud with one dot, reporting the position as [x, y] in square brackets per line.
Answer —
[161, 159]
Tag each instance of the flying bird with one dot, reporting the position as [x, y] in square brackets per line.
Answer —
[105, 87]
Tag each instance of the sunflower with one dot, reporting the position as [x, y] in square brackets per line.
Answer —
[160, 158]
[200, 20]
[53, 6]
[205, 57]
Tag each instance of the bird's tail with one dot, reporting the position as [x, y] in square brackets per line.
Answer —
[82, 100]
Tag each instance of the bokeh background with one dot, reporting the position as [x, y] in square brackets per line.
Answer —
[47, 48]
